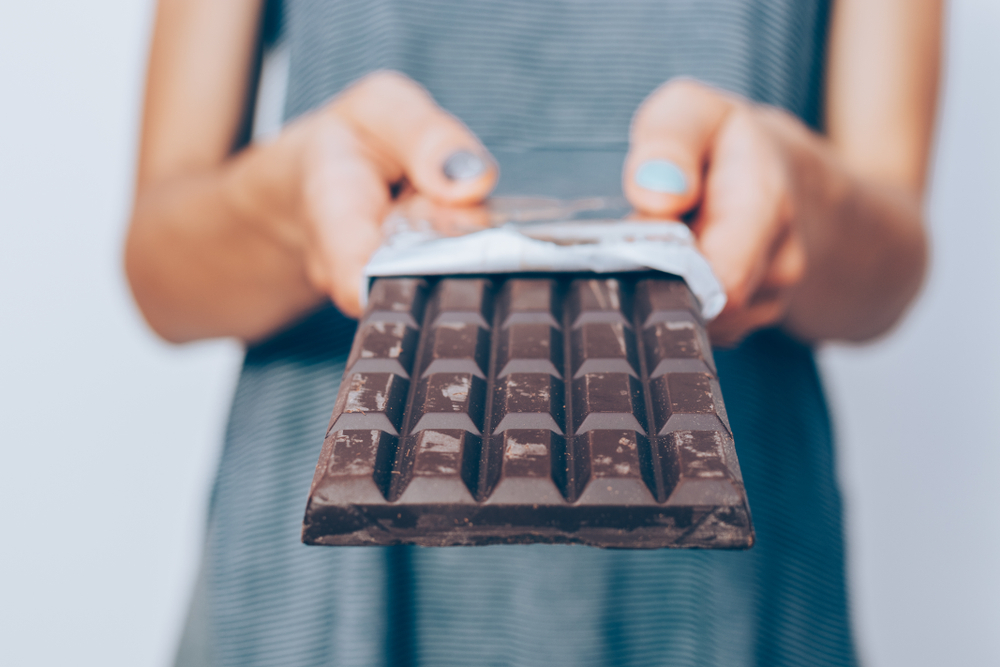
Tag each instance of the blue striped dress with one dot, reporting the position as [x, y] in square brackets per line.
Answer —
[550, 86]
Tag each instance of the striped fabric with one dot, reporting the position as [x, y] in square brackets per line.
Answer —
[558, 73]
[558, 79]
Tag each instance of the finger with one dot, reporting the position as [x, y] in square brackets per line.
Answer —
[768, 304]
[347, 198]
[671, 138]
[745, 211]
[439, 155]
[446, 220]
[731, 327]
[788, 266]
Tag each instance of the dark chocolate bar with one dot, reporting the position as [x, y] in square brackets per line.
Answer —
[559, 409]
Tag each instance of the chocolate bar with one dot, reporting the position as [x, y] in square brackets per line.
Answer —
[522, 409]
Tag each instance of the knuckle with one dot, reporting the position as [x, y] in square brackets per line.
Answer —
[773, 182]
[386, 78]
[392, 84]
[686, 89]
[737, 297]
[344, 290]
[668, 94]
[386, 86]
[331, 131]
[317, 274]
[686, 86]
[795, 265]
[743, 121]
[725, 332]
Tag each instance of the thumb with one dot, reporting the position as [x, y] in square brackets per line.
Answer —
[436, 152]
[671, 138]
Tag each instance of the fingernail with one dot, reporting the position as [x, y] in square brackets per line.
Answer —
[661, 176]
[463, 166]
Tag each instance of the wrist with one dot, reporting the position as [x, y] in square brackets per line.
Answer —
[821, 188]
[863, 241]
[261, 187]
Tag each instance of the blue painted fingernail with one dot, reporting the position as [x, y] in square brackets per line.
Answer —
[463, 166]
[661, 176]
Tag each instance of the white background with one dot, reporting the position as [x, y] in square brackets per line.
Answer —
[108, 438]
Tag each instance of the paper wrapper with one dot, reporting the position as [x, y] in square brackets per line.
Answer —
[540, 235]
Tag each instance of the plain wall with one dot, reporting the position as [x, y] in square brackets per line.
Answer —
[109, 438]
[918, 414]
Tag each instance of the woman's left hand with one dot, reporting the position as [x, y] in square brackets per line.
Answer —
[736, 171]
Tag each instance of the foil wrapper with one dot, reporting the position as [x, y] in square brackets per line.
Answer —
[540, 235]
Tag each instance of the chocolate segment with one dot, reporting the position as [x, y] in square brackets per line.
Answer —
[359, 468]
[658, 300]
[457, 347]
[597, 300]
[437, 466]
[529, 302]
[397, 300]
[697, 471]
[449, 401]
[687, 401]
[372, 401]
[603, 347]
[523, 467]
[608, 401]
[616, 467]
[672, 330]
[462, 300]
[384, 347]
[574, 409]
[525, 347]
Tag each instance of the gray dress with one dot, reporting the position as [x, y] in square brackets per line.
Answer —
[550, 86]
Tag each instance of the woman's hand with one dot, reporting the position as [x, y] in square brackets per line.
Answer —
[245, 246]
[694, 147]
[325, 184]
[781, 220]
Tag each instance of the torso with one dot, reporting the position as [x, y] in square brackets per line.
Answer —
[539, 81]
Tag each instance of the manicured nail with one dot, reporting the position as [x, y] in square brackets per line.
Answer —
[661, 176]
[463, 166]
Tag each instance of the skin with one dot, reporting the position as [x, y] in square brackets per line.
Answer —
[819, 233]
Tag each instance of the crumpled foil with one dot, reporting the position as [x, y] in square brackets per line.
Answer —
[540, 235]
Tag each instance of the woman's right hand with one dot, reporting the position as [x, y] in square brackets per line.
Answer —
[323, 186]
[224, 244]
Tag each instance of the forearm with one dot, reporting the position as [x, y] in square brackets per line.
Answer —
[866, 249]
[203, 263]
[865, 238]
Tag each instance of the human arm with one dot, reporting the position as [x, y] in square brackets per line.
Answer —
[224, 244]
[819, 233]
